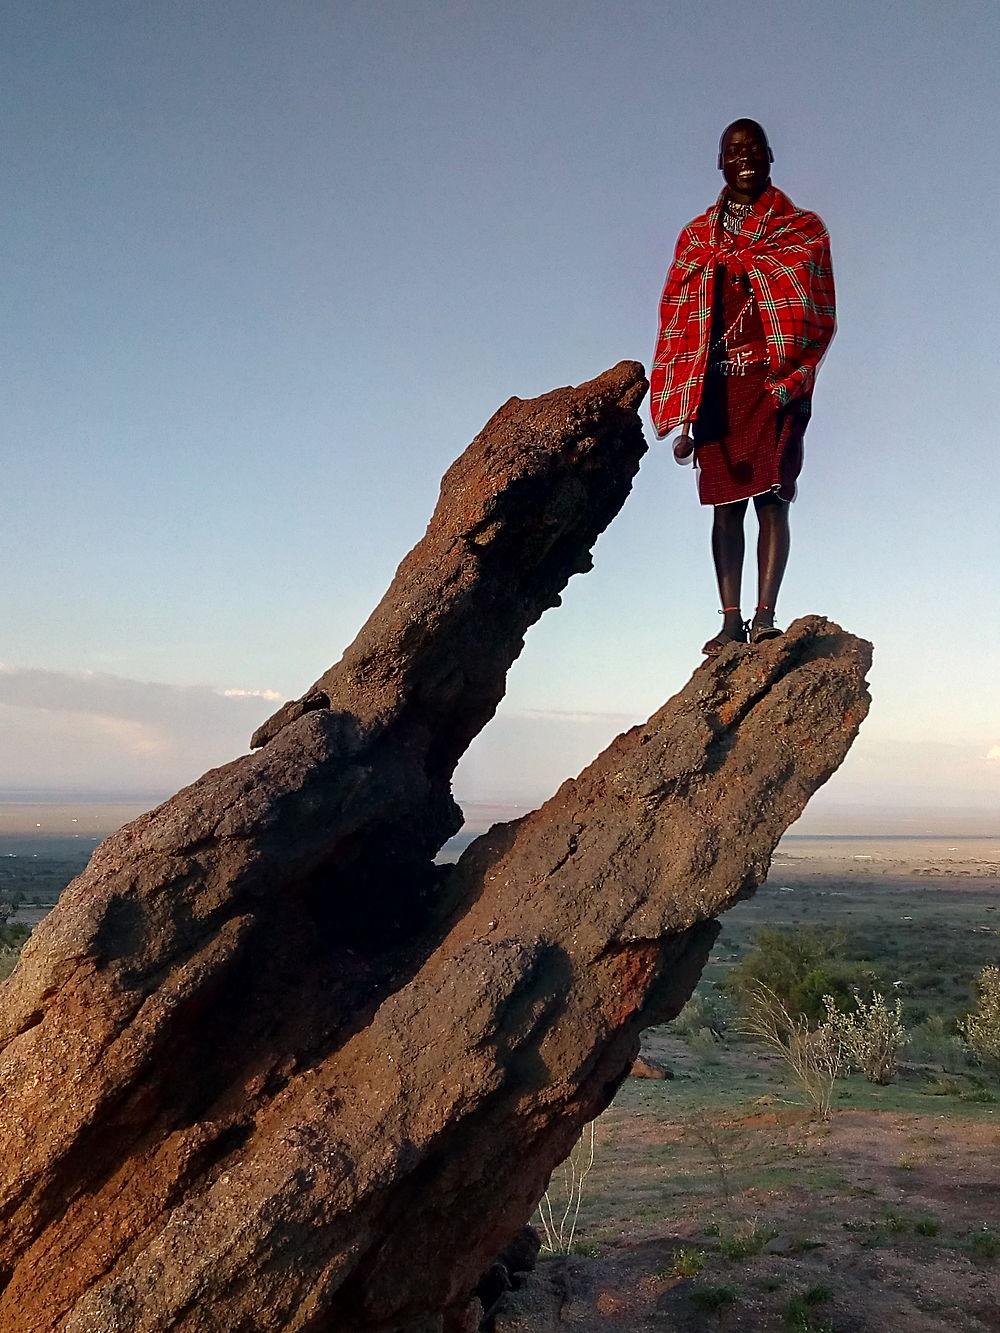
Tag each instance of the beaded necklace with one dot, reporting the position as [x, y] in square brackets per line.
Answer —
[734, 214]
[732, 219]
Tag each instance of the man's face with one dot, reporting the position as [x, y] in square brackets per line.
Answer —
[745, 163]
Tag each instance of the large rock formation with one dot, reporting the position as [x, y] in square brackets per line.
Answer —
[266, 1067]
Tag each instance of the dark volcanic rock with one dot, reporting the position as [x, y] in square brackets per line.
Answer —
[267, 1068]
[506, 1272]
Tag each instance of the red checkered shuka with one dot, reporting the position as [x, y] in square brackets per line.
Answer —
[785, 252]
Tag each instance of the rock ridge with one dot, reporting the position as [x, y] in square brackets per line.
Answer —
[267, 1066]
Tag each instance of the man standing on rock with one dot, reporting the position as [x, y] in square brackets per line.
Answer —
[746, 316]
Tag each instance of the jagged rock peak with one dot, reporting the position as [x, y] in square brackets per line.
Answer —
[518, 514]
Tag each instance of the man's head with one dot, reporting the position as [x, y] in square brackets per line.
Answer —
[745, 159]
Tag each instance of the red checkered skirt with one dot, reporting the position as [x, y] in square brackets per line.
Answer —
[745, 444]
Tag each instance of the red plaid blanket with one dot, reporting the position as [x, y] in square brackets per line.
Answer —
[786, 253]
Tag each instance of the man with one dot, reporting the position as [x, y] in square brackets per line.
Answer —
[746, 316]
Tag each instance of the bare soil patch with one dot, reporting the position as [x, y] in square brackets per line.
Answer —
[716, 1203]
[877, 1220]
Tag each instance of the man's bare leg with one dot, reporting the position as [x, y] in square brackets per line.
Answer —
[728, 543]
[773, 542]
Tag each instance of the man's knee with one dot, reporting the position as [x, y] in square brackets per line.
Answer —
[729, 518]
[771, 509]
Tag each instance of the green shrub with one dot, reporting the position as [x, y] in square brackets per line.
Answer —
[984, 1245]
[944, 1087]
[747, 1238]
[703, 1019]
[981, 1095]
[799, 966]
[686, 1263]
[712, 1299]
[13, 935]
[799, 1315]
[932, 1043]
[871, 1036]
[981, 1029]
[584, 1249]
[817, 1294]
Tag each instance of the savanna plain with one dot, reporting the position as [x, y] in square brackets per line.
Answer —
[743, 1191]
[726, 1198]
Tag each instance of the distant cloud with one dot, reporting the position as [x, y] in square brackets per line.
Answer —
[102, 693]
[93, 729]
[272, 695]
[993, 752]
[577, 715]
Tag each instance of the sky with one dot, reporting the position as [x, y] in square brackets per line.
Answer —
[269, 268]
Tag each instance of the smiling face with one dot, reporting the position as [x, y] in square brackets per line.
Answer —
[745, 160]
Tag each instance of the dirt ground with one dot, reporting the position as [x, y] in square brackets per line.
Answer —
[874, 1221]
[714, 1203]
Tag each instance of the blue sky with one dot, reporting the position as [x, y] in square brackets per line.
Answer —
[268, 269]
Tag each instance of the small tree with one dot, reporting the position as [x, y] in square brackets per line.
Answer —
[871, 1037]
[812, 1055]
[560, 1205]
[932, 1042]
[981, 1029]
[798, 966]
[703, 1018]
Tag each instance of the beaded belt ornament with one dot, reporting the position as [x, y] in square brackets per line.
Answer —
[737, 359]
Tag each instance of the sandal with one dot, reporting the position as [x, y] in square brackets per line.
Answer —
[731, 632]
[762, 626]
